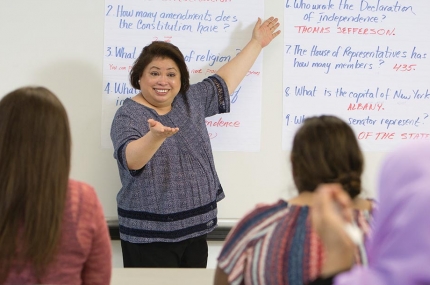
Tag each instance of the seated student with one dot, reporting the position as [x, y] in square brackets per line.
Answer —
[275, 244]
[399, 247]
[52, 229]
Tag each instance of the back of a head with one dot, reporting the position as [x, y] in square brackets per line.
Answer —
[325, 150]
[35, 146]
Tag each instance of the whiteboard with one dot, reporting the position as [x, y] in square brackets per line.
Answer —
[209, 34]
[59, 44]
[364, 61]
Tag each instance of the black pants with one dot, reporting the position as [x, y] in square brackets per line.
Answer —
[190, 253]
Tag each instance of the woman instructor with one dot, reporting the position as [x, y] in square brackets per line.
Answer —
[170, 188]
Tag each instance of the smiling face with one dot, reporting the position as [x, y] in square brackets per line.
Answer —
[160, 82]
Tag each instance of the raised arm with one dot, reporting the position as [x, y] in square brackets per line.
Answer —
[235, 70]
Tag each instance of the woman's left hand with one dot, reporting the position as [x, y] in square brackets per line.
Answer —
[265, 32]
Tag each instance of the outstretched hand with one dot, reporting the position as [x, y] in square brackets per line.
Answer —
[159, 130]
[265, 32]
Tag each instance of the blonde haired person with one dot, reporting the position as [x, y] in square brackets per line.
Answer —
[52, 229]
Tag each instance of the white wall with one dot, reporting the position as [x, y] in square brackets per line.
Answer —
[59, 44]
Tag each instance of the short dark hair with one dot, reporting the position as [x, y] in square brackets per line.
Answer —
[325, 150]
[160, 49]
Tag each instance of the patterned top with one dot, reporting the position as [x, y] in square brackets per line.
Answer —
[174, 196]
[84, 253]
[275, 244]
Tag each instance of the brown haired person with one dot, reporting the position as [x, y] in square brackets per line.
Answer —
[170, 188]
[276, 243]
[52, 229]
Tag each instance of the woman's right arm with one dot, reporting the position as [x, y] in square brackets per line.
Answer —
[140, 151]
[331, 210]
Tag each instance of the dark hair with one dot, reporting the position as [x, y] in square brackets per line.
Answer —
[35, 149]
[160, 49]
[325, 150]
